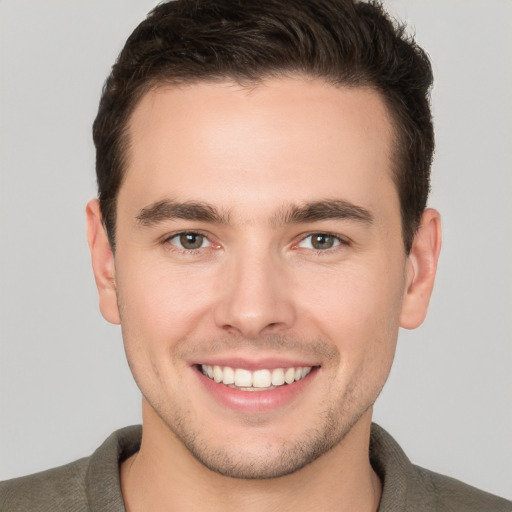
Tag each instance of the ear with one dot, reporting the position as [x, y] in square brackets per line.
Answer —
[102, 262]
[421, 270]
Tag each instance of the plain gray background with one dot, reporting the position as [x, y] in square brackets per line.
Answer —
[64, 381]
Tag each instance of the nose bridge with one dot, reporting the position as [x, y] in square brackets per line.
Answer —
[255, 297]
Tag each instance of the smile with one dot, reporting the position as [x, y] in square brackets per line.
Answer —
[258, 380]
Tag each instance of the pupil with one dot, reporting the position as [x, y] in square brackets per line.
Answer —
[322, 241]
[191, 240]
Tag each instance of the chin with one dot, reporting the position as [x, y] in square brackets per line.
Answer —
[264, 457]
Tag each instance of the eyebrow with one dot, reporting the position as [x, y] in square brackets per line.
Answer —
[293, 214]
[323, 210]
[189, 210]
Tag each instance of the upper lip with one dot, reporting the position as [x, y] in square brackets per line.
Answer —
[255, 363]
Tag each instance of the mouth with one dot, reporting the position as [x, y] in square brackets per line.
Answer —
[258, 380]
[257, 386]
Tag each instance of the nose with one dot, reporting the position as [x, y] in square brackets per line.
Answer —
[255, 298]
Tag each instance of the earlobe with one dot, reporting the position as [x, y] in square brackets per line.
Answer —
[102, 263]
[421, 270]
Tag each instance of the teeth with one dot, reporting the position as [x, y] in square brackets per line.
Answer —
[289, 375]
[277, 377]
[305, 371]
[243, 378]
[228, 375]
[260, 379]
[217, 374]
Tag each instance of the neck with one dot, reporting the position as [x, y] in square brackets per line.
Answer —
[163, 475]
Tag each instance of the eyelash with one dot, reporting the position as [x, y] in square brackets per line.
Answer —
[168, 241]
[338, 241]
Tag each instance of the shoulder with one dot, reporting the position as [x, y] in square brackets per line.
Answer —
[409, 487]
[61, 488]
[91, 483]
[453, 495]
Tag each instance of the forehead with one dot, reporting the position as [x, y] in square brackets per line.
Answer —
[251, 147]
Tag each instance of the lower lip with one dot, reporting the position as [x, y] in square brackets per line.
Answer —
[256, 401]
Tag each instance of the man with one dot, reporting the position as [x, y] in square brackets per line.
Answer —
[261, 233]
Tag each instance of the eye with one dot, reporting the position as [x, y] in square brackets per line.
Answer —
[189, 241]
[320, 241]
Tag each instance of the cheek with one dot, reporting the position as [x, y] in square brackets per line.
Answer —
[362, 321]
[161, 302]
[359, 311]
[158, 308]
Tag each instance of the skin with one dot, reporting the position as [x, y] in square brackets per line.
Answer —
[257, 289]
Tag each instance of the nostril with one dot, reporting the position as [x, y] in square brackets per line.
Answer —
[251, 314]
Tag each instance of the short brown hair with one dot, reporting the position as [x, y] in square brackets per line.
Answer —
[344, 42]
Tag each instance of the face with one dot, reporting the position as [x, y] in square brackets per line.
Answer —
[259, 274]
